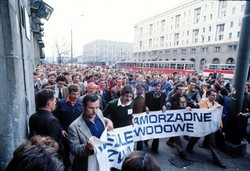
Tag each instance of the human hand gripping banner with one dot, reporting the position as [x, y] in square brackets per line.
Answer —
[115, 145]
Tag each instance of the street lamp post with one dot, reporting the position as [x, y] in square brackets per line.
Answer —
[71, 39]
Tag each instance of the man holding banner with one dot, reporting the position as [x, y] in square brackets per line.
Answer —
[155, 100]
[90, 123]
[120, 110]
[209, 139]
[179, 100]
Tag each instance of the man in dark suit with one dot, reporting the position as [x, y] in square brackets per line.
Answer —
[103, 91]
[61, 91]
[155, 100]
[43, 122]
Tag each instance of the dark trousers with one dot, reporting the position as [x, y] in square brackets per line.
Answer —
[139, 145]
[209, 140]
[176, 141]
[155, 145]
[67, 152]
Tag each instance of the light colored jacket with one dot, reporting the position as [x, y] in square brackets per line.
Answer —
[78, 135]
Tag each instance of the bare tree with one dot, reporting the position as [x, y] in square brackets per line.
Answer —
[61, 48]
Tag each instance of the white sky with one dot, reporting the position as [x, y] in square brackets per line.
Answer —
[103, 19]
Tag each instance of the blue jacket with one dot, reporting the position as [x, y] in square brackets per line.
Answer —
[66, 113]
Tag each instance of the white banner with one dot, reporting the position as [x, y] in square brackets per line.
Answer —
[115, 145]
[195, 123]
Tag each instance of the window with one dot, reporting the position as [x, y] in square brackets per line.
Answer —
[220, 31]
[202, 38]
[187, 33]
[180, 66]
[141, 31]
[210, 28]
[230, 61]
[222, 4]
[220, 37]
[230, 36]
[208, 38]
[173, 66]
[204, 29]
[176, 39]
[150, 43]
[231, 24]
[202, 63]
[232, 48]
[177, 21]
[162, 41]
[140, 45]
[174, 51]
[238, 34]
[242, 8]
[183, 51]
[204, 49]
[197, 13]
[217, 49]
[233, 10]
[162, 25]
[193, 51]
[221, 27]
[211, 16]
[215, 61]
[205, 17]
[223, 14]
[150, 29]
[195, 35]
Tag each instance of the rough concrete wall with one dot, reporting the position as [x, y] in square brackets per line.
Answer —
[6, 136]
[16, 90]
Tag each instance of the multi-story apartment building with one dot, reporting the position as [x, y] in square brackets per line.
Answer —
[106, 52]
[196, 30]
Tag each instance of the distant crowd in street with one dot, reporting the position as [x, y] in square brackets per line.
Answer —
[74, 103]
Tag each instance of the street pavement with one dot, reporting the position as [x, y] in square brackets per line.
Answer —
[202, 158]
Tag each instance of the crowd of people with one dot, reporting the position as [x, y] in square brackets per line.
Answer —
[74, 103]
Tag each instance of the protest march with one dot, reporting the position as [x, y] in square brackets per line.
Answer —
[104, 118]
[117, 144]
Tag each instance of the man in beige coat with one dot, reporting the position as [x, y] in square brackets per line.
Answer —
[90, 123]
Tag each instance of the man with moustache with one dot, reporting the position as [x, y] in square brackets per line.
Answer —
[90, 123]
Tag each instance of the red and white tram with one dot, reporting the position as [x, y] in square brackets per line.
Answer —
[167, 67]
[226, 69]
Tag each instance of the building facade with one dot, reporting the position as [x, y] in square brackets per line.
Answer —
[106, 52]
[196, 30]
[21, 48]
